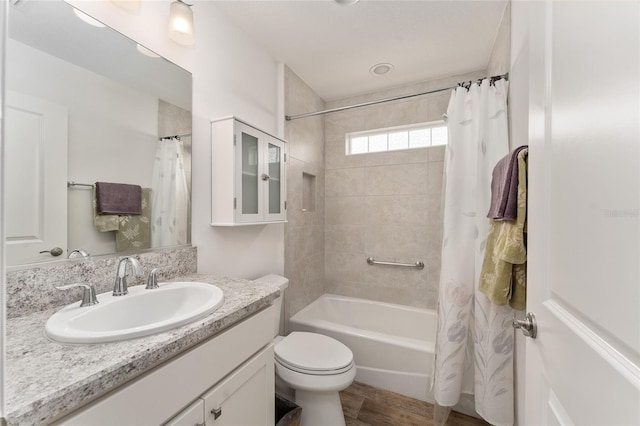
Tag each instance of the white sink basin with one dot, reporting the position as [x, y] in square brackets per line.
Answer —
[139, 313]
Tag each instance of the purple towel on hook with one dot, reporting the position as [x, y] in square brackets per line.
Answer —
[118, 198]
[504, 187]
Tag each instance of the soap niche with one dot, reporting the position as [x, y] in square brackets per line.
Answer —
[308, 192]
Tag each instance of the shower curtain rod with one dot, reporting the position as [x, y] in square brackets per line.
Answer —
[175, 136]
[395, 98]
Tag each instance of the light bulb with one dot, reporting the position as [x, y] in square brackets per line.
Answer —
[181, 23]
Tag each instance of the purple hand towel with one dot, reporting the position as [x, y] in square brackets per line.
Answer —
[118, 198]
[504, 187]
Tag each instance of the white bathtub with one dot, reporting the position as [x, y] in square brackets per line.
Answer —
[393, 345]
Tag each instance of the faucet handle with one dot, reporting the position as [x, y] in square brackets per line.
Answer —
[152, 281]
[88, 296]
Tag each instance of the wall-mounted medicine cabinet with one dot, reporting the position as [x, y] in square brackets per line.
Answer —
[248, 174]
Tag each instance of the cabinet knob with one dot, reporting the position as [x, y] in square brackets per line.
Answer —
[265, 176]
[217, 412]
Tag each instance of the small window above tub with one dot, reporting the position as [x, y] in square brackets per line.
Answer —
[397, 138]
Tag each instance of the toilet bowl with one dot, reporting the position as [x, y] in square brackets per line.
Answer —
[315, 366]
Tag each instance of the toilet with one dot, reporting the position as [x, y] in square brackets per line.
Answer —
[315, 366]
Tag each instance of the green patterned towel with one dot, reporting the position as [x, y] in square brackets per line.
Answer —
[503, 277]
[133, 232]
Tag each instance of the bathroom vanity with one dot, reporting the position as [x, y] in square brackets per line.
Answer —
[206, 372]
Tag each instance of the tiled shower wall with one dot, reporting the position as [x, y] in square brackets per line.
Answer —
[385, 205]
[304, 231]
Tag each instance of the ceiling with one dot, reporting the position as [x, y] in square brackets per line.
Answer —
[332, 47]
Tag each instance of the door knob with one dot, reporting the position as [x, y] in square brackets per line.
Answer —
[56, 251]
[528, 325]
[265, 176]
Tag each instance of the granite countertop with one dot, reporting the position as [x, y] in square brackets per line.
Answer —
[45, 379]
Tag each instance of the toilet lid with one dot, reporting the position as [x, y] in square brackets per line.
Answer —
[313, 352]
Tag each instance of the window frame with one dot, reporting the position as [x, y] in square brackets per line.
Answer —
[390, 130]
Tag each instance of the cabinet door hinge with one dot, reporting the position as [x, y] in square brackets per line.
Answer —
[285, 158]
[234, 203]
[285, 204]
[234, 140]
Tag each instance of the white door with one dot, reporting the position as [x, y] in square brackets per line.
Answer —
[584, 277]
[35, 178]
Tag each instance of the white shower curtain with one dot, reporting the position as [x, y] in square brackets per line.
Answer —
[170, 197]
[474, 343]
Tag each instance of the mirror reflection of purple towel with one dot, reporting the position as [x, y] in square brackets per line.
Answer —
[118, 198]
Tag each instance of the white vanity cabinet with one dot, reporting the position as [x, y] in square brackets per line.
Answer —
[193, 415]
[248, 175]
[226, 380]
[244, 398]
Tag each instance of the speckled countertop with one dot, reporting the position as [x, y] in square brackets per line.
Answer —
[45, 379]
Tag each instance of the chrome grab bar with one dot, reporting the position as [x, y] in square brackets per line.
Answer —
[419, 264]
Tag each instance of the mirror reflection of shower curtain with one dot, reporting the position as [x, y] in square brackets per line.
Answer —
[474, 342]
[170, 196]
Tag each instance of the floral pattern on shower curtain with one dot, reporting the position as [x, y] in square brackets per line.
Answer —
[474, 342]
[170, 196]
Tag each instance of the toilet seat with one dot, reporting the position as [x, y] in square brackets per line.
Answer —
[314, 372]
[314, 354]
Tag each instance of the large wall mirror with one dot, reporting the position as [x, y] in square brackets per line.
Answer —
[85, 104]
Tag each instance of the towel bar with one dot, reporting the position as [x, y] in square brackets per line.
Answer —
[419, 264]
[71, 183]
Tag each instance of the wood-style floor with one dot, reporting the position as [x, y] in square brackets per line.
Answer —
[364, 405]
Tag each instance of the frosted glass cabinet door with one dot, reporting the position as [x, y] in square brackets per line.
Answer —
[249, 174]
[260, 175]
[249, 182]
[274, 181]
[274, 163]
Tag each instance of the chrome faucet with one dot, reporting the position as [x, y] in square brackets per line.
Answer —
[120, 286]
[152, 281]
[88, 296]
[73, 254]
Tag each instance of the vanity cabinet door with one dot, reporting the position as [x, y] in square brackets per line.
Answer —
[193, 415]
[246, 397]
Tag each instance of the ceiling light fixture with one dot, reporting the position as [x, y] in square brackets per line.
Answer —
[181, 23]
[381, 69]
[346, 2]
[88, 19]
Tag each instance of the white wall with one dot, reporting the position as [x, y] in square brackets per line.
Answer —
[232, 75]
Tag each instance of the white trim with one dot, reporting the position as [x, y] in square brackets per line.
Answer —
[609, 354]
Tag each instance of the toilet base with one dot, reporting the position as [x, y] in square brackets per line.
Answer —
[320, 408]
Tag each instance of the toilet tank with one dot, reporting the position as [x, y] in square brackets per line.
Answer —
[283, 283]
